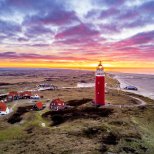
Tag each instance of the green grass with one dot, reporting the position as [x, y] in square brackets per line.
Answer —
[82, 135]
[146, 126]
[13, 132]
[34, 119]
[16, 131]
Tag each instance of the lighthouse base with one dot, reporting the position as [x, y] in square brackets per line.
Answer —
[107, 104]
[99, 104]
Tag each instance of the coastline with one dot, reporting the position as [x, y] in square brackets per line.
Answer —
[144, 83]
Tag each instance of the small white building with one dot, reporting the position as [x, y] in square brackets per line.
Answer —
[43, 87]
[36, 96]
[85, 85]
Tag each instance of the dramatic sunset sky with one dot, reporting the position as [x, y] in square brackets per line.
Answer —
[77, 34]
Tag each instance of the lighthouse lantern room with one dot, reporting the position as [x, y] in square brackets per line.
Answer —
[100, 85]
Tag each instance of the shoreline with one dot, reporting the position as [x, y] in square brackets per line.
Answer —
[138, 80]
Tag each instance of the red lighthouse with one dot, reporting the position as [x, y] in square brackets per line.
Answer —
[100, 85]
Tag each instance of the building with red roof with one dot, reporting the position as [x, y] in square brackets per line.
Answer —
[38, 106]
[26, 94]
[3, 108]
[57, 104]
[13, 95]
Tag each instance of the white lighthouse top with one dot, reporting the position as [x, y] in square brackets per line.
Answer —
[100, 70]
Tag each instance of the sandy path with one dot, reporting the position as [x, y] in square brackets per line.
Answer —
[141, 103]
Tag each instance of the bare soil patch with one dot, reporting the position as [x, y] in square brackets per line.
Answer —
[111, 139]
[59, 117]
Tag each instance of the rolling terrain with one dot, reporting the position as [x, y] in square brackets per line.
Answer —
[123, 126]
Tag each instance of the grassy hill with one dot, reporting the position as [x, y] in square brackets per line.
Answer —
[83, 128]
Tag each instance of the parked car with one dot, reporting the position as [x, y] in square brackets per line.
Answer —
[131, 88]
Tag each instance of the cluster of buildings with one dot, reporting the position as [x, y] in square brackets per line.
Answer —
[14, 95]
[57, 104]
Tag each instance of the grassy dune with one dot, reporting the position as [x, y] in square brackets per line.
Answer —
[83, 128]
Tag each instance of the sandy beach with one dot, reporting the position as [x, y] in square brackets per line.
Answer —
[144, 83]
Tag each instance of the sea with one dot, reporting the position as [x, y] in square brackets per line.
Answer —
[144, 82]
